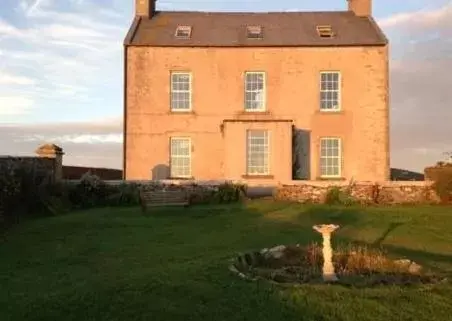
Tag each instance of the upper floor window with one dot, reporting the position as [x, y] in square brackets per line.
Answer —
[330, 157]
[255, 91]
[330, 91]
[180, 91]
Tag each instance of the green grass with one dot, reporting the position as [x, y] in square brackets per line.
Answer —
[115, 264]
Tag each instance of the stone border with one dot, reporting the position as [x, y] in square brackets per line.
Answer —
[413, 268]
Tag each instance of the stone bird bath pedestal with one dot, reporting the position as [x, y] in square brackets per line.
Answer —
[328, 268]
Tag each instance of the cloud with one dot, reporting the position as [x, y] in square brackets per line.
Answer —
[8, 79]
[31, 6]
[95, 143]
[11, 105]
[421, 99]
[70, 56]
[60, 52]
[424, 19]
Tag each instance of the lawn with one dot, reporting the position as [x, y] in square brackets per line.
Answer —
[116, 264]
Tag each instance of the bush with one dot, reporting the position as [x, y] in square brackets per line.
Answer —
[91, 191]
[443, 187]
[336, 196]
[441, 175]
[229, 192]
[224, 193]
[124, 195]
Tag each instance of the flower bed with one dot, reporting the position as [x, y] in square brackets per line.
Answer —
[354, 265]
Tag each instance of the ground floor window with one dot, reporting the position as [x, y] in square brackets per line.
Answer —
[330, 157]
[180, 157]
[257, 152]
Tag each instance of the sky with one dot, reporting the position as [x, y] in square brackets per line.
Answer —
[61, 73]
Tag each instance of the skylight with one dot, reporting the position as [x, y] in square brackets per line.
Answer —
[254, 32]
[325, 31]
[183, 32]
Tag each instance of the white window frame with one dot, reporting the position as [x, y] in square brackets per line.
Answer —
[249, 153]
[189, 91]
[338, 157]
[186, 175]
[338, 91]
[263, 100]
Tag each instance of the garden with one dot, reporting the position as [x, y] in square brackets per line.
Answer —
[85, 251]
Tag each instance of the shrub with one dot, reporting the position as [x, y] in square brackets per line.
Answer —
[443, 187]
[336, 196]
[124, 195]
[224, 193]
[229, 192]
[91, 191]
[441, 174]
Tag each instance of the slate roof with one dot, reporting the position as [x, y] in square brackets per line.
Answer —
[280, 29]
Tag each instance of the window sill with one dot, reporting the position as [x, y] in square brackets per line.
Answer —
[181, 178]
[331, 178]
[254, 112]
[332, 112]
[182, 112]
[246, 176]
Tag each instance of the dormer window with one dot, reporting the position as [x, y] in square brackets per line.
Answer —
[254, 32]
[325, 31]
[183, 32]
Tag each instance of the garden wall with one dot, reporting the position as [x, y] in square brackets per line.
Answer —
[47, 163]
[21, 177]
[37, 166]
[387, 193]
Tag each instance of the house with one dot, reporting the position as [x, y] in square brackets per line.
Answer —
[264, 97]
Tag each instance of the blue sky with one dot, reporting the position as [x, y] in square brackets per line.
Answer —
[61, 68]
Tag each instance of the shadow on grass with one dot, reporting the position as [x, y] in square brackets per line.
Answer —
[331, 215]
[392, 227]
[353, 217]
[175, 267]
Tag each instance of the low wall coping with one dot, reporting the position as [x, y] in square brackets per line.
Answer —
[358, 183]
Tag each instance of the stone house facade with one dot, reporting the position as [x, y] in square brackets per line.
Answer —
[262, 97]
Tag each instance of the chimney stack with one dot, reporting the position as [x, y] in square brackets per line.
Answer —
[361, 8]
[145, 8]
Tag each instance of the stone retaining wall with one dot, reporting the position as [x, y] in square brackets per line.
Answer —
[391, 192]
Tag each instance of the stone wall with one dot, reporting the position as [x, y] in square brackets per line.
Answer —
[36, 166]
[47, 163]
[388, 193]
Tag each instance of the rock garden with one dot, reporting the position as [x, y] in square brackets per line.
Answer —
[348, 265]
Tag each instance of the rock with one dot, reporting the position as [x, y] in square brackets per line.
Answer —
[414, 268]
[403, 263]
[241, 263]
[276, 252]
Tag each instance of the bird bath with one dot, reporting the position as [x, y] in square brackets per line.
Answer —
[328, 268]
